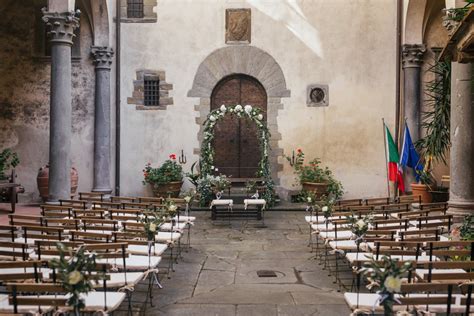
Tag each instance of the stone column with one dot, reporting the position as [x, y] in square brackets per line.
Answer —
[60, 30]
[461, 193]
[102, 58]
[412, 58]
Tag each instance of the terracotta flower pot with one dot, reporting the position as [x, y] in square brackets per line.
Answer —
[43, 181]
[423, 191]
[319, 189]
[170, 189]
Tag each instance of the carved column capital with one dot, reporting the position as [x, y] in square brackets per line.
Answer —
[61, 26]
[412, 55]
[102, 57]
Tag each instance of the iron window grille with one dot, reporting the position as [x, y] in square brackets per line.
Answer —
[135, 8]
[152, 92]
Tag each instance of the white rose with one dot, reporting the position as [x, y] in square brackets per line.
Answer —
[74, 277]
[393, 284]
[172, 207]
[187, 199]
[360, 223]
[212, 118]
[309, 199]
[238, 108]
[325, 209]
[223, 108]
[153, 227]
[260, 117]
[216, 169]
[248, 109]
[231, 110]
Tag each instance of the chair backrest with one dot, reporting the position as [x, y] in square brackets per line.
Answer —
[448, 288]
[349, 202]
[106, 205]
[409, 199]
[424, 206]
[64, 223]
[120, 199]
[31, 271]
[18, 220]
[89, 213]
[8, 232]
[41, 232]
[13, 251]
[56, 211]
[91, 237]
[91, 196]
[89, 224]
[136, 205]
[49, 248]
[74, 203]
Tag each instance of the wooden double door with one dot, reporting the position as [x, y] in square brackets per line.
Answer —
[236, 143]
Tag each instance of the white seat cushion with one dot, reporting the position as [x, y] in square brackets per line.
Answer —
[314, 219]
[343, 234]
[134, 263]
[421, 273]
[183, 218]
[167, 236]
[117, 280]
[177, 227]
[142, 250]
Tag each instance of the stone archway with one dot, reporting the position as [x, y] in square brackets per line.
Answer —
[251, 61]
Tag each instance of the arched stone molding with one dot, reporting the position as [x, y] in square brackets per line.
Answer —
[414, 22]
[251, 61]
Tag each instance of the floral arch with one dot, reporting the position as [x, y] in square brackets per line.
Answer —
[250, 113]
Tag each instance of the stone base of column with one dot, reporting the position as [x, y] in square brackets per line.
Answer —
[459, 209]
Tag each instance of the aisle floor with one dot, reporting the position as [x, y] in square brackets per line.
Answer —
[218, 276]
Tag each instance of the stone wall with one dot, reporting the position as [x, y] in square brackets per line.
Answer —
[24, 97]
[347, 45]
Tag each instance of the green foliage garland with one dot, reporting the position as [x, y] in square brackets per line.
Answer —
[207, 151]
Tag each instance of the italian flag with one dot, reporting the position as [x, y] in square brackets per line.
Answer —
[394, 170]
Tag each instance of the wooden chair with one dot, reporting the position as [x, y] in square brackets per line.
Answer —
[13, 251]
[56, 211]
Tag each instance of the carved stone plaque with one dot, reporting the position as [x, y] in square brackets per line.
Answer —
[237, 26]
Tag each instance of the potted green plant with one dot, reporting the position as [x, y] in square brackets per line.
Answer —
[434, 146]
[165, 180]
[314, 178]
[8, 159]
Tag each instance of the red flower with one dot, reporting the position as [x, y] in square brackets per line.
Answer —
[299, 150]
[173, 156]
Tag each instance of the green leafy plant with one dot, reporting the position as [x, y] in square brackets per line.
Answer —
[8, 159]
[194, 175]
[169, 171]
[386, 275]
[75, 273]
[436, 121]
[467, 228]
[457, 14]
[315, 173]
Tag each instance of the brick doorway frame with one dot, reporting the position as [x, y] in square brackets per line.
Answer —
[251, 61]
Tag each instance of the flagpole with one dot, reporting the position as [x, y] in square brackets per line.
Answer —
[385, 150]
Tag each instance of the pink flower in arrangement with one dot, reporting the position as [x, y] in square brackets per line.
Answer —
[456, 234]
[299, 150]
[173, 156]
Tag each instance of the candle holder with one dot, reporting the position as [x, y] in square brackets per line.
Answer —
[182, 158]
